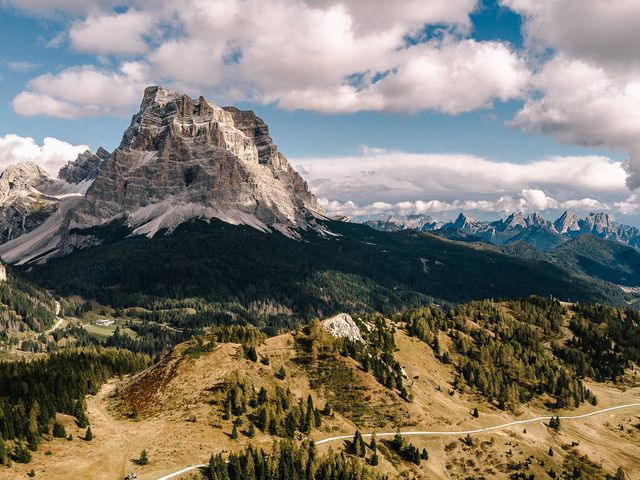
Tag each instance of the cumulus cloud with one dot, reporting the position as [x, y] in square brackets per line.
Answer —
[84, 91]
[325, 55]
[51, 155]
[507, 204]
[380, 181]
[112, 33]
[588, 92]
[400, 176]
[604, 31]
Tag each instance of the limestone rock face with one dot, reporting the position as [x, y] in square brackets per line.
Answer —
[183, 158]
[85, 167]
[343, 326]
[23, 206]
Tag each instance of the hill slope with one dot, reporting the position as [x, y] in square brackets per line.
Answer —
[232, 389]
[604, 259]
[355, 268]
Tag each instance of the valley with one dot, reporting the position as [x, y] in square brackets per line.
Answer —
[183, 307]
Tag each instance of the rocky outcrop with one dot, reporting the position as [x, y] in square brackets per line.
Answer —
[85, 167]
[183, 158]
[343, 326]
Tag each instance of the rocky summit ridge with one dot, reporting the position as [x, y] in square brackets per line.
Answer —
[530, 228]
[180, 158]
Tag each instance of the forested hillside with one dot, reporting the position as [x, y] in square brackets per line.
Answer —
[354, 268]
[33, 392]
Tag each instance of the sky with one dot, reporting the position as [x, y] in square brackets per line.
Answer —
[414, 107]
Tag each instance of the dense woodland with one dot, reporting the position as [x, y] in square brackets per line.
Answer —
[358, 270]
[23, 307]
[288, 460]
[32, 392]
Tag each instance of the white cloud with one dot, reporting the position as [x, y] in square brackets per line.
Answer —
[399, 176]
[321, 55]
[51, 155]
[22, 66]
[380, 181]
[112, 33]
[450, 76]
[506, 204]
[84, 91]
[603, 31]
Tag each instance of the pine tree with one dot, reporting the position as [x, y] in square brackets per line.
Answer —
[554, 423]
[143, 459]
[252, 430]
[58, 430]
[281, 374]
[234, 432]
[550, 452]
[374, 443]
[88, 436]
[475, 412]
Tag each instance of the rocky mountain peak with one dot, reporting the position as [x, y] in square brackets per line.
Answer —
[463, 220]
[85, 167]
[183, 158]
[24, 174]
[567, 222]
[599, 222]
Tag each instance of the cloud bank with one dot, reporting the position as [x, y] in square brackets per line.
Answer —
[51, 155]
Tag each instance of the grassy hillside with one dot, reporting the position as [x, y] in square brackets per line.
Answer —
[238, 395]
[353, 268]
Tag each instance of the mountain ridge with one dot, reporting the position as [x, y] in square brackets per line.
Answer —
[517, 226]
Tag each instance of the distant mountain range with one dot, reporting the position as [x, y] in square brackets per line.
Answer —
[530, 228]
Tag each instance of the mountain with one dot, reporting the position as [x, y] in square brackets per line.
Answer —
[396, 223]
[295, 406]
[603, 259]
[179, 159]
[29, 196]
[540, 237]
[85, 167]
[530, 228]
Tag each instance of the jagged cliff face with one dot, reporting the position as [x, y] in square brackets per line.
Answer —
[85, 167]
[23, 206]
[183, 158]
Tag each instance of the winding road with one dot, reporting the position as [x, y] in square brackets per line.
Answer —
[439, 433]
[59, 320]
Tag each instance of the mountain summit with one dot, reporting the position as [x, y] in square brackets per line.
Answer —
[180, 158]
[183, 158]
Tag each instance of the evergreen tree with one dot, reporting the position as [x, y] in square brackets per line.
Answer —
[475, 412]
[143, 459]
[59, 430]
[252, 430]
[554, 423]
[88, 436]
[234, 432]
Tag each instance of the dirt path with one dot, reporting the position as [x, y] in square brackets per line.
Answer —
[59, 320]
[440, 433]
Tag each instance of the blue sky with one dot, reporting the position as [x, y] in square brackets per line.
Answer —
[473, 83]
